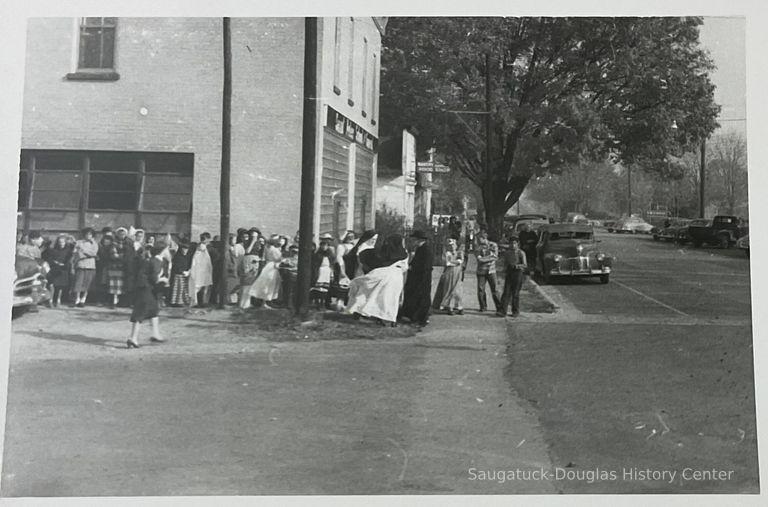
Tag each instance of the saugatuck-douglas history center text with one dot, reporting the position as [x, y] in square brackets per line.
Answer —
[599, 474]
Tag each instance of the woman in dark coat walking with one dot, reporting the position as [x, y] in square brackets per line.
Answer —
[418, 285]
[149, 281]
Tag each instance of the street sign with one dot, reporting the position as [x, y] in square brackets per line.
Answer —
[432, 167]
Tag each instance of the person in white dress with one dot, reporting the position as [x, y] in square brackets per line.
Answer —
[377, 294]
[267, 285]
[201, 271]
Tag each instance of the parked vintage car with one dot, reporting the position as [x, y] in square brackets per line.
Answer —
[743, 243]
[535, 224]
[570, 250]
[29, 288]
[670, 232]
[682, 234]
[632, 225]
[723, 232]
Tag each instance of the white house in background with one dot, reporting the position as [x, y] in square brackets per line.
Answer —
[396, 176]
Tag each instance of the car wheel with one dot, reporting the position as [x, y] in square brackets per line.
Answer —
[697, 243]
[656, 237]
[604, 278]
[546, 278]
[723, 241]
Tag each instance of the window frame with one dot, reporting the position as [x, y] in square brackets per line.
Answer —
[101, 73]
[183, 168]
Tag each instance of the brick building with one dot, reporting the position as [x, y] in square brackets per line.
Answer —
[122, 123]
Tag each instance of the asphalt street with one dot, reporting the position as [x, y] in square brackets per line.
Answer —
[656, 279]
[219, 410]
[653, 371]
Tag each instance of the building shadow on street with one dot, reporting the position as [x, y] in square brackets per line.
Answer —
[77, 338]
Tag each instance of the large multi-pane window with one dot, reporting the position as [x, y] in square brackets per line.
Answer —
[97, 43]
[66, 190]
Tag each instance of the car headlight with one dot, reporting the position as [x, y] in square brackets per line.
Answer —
[600, 257]
[579, 248]
[557, 258]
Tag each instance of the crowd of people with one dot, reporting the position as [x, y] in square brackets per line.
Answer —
[387, 279]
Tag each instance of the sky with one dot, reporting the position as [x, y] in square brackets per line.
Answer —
[725, 39]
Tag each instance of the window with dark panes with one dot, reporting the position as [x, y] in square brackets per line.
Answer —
[168, 182]
[113, 183]
[25, 166]
[57, 180]
[97, 43]
[155, 187]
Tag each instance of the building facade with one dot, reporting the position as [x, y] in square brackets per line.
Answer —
[396, 181]
[122, 123]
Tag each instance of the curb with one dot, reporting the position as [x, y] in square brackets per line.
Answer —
[555, 307]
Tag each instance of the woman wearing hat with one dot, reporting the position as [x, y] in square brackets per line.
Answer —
[267, 285]
[180, 266]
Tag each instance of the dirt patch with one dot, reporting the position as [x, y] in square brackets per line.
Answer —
[628, 398]
[280, 325]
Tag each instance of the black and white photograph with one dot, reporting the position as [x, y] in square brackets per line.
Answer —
[472, 252]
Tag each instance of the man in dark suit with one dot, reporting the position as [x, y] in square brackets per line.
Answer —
[418, 285]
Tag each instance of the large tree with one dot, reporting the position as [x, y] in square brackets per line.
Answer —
[561, 90]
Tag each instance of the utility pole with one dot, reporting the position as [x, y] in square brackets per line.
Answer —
[629, 190]
[488, 180]
[226, 150]
[308, 146]
[702, 172]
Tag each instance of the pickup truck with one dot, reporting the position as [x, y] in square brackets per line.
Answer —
[724, 231]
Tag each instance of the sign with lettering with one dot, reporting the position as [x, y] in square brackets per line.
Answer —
[432, 167]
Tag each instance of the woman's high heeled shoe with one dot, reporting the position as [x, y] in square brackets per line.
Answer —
[156, 339]
[132, 344]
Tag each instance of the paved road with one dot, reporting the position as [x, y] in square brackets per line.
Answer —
[659, 280]
[653, 371]
[219, 410]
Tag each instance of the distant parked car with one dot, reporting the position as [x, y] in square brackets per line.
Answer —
[723, 232]
[671, 231]
[684, 237]
[633, 225]
[743, 243]
[570, 250]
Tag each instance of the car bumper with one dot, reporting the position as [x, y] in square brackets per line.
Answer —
[581, 266]
[30, 291]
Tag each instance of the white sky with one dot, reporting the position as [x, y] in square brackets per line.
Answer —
[725, 40]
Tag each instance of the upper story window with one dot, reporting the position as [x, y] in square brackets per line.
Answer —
[337, 57]
[374, 88]
[365, 78]
[351, 71]
[96, 50]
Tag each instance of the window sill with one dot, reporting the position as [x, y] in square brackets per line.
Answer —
[336, 90]
[88, 75]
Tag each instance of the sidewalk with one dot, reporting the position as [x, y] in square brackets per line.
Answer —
[223, 409]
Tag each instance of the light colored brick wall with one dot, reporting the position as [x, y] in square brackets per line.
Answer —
[170, 66]
[267, 108]
[173, 68]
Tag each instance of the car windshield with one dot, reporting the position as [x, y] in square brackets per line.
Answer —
[555, 236]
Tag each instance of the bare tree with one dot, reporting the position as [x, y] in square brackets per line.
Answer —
[728, 170]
